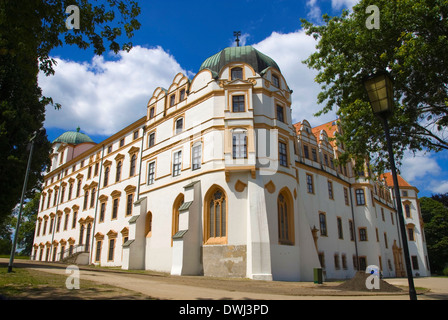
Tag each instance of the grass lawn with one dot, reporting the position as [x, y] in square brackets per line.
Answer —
[38, 285]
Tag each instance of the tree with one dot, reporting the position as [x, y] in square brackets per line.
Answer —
[412, 44]
[435, 217]
[29, 30]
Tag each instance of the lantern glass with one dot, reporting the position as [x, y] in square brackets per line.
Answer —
[380, 90]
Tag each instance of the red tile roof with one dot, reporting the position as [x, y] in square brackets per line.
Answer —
[390, 182]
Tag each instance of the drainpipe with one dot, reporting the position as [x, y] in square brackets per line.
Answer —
[56, 214]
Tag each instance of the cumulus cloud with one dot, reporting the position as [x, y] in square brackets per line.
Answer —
[418, 166]
[101, 96]
[339, 4]
[289, 50]
[314, 12]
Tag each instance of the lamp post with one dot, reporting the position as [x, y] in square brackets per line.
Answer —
[16, 234]
[380, 91]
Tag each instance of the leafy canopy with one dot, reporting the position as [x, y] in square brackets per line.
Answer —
[412, 44]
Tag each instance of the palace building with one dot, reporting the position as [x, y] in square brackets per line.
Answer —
[217, 180]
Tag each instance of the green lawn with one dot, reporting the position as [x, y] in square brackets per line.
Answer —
[38, 285]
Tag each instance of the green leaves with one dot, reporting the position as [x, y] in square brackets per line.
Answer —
[412, 44]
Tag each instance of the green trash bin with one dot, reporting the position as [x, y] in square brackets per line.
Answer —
[318, 275]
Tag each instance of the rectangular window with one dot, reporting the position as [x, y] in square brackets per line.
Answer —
[129, 204]
[239, 145]
[151, 139]
[360, 198]
[102, 211]
[172, 100]
[111, 250]
[309, 183]
[122, 142]
[238, 104]
[237, 73]
[196, 156]
[362, 234]
[275, 81]
[414, 260]
[283, 155]
[306, 152]
[182, 95]
[151, 172]
[314, 154]
[352, 230]
[280, 113]
[330, 190]
[346, 196]
[177, 163]
[340, 231]
[152, 112]
[98, 251]
[323, 224]
[115, 209]
[179, 125]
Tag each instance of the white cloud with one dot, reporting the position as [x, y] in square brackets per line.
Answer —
[438, 186]
[289, 50]
[339, 4]
[314, 13]
[422, 165]
[102, 97]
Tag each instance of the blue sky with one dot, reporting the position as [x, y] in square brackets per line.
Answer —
[104, 94]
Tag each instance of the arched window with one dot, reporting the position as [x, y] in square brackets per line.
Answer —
[177, 204]
[285, 218]
[148, 224]
[106, 177]
[215, 217]
[118, 175]
[133, 164]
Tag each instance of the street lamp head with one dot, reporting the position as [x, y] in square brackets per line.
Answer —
[379, 87]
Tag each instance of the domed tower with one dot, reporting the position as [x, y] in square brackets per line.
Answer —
[69, 145]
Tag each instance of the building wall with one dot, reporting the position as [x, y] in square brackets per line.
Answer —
[253, 246]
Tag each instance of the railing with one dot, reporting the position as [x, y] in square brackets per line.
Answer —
[80, 248]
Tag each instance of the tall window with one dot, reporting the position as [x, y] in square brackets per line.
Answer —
[275, 81]
[196, 156]
[283, 154]
[92, 198]
[130, 201]
[238, 104]
[306, 152]
[237, 73]
[323, 224]
[86, 200]
[102, 211]
[151, 139]
[177, 163]
[133, 165]
[280, 113]
[407, 209]
[285, 220]
[360, 197]
[330, 189]
[175, 221]
[151, 172]
[216, 217]
[172, 100]
[115, 209]
[106, 177]
[309, 183]
[110, 256]
[340, 231]
[118, 173]
[362, 234]
[179, 125]
[239, 145]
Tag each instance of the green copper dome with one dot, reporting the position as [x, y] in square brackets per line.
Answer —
[72, 137]
[248, 54]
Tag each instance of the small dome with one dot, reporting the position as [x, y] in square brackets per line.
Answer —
[73, 137]
[247, 54]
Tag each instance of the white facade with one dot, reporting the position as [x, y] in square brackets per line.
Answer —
[215, 181]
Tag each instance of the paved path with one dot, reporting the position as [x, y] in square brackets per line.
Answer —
[177, 288]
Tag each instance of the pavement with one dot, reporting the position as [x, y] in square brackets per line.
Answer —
[166, 287]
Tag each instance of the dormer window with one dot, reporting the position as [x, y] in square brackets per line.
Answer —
[182, 95]
[172, 100]
[237, 73]
[275, 81]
